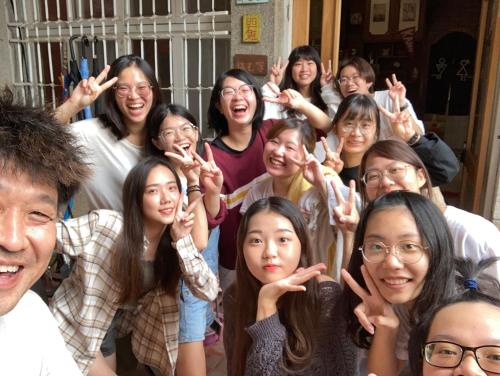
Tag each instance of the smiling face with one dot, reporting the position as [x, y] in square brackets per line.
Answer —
[351, 82]
[271, 247]
[398, 283]
[469, 324]
[279, 150]
[304, 72]
[412, 181]
[28, 212]
[135, 105]
[176, 130]
[358, 133]
[160, 197]
[239, 108]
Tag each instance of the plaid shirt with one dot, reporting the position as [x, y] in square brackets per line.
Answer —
[86, 302]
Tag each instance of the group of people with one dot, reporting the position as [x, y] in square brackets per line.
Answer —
[316, 211]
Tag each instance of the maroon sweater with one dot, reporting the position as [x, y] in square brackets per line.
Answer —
[239, 168]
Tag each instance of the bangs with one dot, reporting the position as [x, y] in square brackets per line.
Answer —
[360, 112]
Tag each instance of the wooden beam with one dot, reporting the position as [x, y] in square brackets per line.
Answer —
[300, 22]
[330, 33]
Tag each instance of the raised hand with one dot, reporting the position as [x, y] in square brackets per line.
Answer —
[326, 75]
[210, 176]
[289, 97]
[401, 122]
[311, 169]
[396, 89]
[277, 71]
[183, 220]
[374, 310]
[345, 213]
[332, 158]
[88, 90]
[188, 165]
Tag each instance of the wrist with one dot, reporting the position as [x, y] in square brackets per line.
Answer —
[404, 106]
[413, 139]
[193, 188]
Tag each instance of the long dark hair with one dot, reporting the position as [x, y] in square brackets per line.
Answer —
[487, 291]
[216, 119]
[306, 53]
[156, 117]
[113, 118]
[298, 311]
[130, 244]
[435, 235]
[399, 151]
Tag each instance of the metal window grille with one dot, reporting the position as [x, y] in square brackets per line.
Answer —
[187, 42]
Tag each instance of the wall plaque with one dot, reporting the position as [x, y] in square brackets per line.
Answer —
[254, 64]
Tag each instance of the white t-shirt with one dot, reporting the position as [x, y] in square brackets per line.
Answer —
[474, 237]
[111, 160]
[30, 341]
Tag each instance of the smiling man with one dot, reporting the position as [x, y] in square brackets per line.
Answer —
[39, 170]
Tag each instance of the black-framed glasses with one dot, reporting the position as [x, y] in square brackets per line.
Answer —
[124, 91]
[395, 172]
[244, 90]
[406, 251]
[446, 354]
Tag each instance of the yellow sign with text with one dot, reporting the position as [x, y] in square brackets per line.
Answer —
[251, 28]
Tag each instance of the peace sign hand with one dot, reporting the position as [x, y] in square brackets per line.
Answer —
[326, 75]
[401, 122]
[311, 169]
[183, 220]
[332, 158]
[189, 167]
[210, 176]
[289, 97]
[277, 71]
[87, 90]
[396, 89]
[345, 213]
[374, 310]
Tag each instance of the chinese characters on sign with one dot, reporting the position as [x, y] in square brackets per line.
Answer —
[254, 64]
[251, 28]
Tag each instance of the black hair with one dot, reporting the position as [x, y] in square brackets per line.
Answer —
[362, 66]
[216, 119]
[433, 230]
[113, 118]
[473, 286]
[358, 106]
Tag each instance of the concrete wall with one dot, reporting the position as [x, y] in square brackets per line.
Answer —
[5, 67]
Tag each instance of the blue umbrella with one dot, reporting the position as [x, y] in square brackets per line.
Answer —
[84, 72]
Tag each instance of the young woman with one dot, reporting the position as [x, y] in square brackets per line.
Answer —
[173, 132]
[235, 112]
[127, 271]
[401, 267]
[391, 165]
[462, 335]
[114, 141]
[292, 172]
[304, 73]
[281, 315]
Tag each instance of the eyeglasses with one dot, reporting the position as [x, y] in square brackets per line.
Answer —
[244, 90]
[407, 252]
[123, 90]
[364, 128]
[395, 172]
[345, 80]
[186, 130]
[445, 354]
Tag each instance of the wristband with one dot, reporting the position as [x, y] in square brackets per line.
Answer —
[404, 107]
[413, 139]
[193, 188]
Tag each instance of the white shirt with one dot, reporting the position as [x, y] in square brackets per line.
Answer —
[111, 160]
[30, 341]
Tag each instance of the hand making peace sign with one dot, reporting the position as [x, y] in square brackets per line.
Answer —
[183, 220]
[374, 310]
[210, 176]
[402, 123]
[332, 158]
[345, 213]
[88, 90]
[289, 97]
[326, 75]
[311, 169]
[277, 71]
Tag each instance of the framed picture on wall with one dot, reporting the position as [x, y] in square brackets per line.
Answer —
[379, 16]
[409, 12]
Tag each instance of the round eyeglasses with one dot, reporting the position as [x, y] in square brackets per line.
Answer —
[395, 172]
[186, 130]
[244, 90]
[364, 128]
[124, 91]
[406, 251]
[345, 80]
[446, 354]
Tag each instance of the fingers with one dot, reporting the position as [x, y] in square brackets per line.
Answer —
[338, 194]
[388, 83]
[178, 209]
[387, 114]
[394, 79]
[278, 63]
[352, 193]
[326, 147]
[192, 205]
[272, 100]
[103, 74]
[175, 156]
[360, 312]
[355, 287]
[274, 88]
[109, 83]
[340, 146]
[297, 162]
[199, 159]
[323, 71]
[208, 151]
[369, 283]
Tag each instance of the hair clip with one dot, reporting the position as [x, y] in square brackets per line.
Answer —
[470, 284]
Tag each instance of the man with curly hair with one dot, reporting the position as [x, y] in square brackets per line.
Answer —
[40, 168]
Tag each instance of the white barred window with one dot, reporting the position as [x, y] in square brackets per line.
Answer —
[187, 42]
